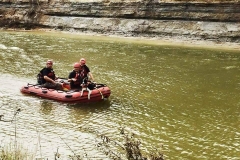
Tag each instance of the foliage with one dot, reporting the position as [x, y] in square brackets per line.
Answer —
[126, 147]
[133, 151]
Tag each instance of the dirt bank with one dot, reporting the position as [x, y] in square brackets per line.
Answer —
[196, 23]
[176, 41]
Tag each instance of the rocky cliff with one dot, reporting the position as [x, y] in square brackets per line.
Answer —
[151, 18]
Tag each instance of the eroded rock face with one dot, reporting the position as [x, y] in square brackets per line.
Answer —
[151, 18]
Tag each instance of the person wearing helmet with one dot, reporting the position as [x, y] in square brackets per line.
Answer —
[85, 73]
[48, 74]
[74, 77]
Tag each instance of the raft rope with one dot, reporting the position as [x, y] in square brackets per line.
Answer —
[100, 93]
[90, 91]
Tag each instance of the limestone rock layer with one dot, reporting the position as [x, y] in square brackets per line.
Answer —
[218, 21]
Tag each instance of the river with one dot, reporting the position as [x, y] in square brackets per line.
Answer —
[183, 101]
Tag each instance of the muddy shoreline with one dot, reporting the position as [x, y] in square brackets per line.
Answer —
[171, 41]
[199, 24]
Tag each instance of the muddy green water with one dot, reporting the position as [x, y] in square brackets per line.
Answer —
[186, 99]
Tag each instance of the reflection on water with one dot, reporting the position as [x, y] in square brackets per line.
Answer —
[46, 107]
[184, 98]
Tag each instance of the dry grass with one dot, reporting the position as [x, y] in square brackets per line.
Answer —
[10, 152]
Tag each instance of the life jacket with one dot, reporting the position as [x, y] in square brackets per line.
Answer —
[77, 77]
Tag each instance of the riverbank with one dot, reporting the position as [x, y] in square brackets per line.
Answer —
[172, 41]
[199, 23]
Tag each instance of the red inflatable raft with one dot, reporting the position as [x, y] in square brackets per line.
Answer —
[99, 93]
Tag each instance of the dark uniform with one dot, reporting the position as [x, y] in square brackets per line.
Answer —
[50, 73]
